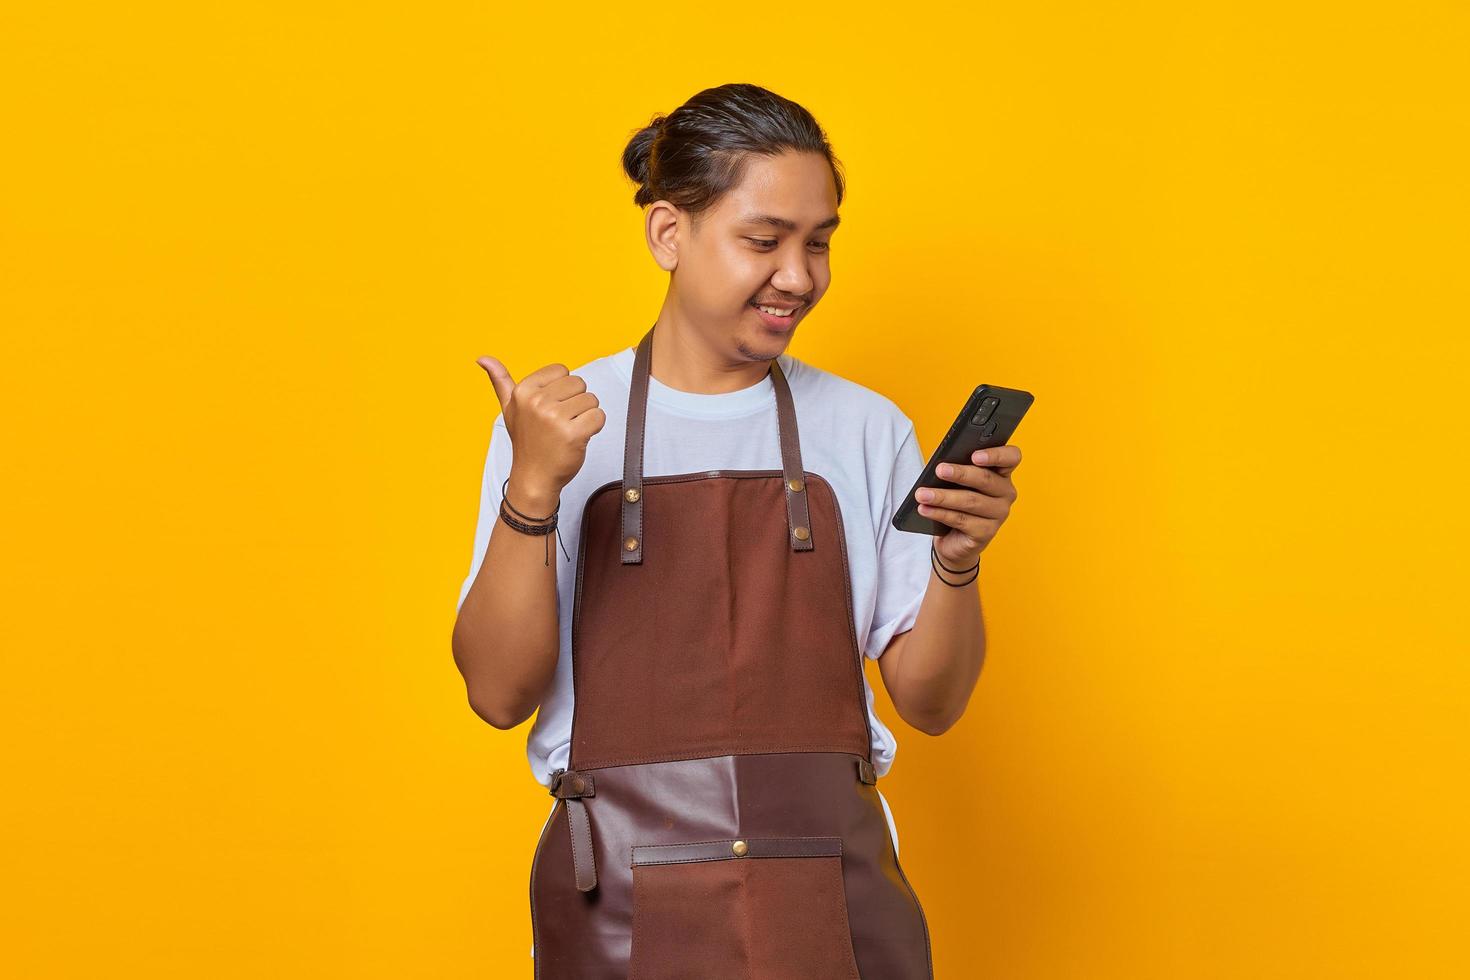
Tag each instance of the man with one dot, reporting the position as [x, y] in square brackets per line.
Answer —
[704, 722]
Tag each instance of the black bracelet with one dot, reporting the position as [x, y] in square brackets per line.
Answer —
[525, 528]
[505, 483]
[937, 565]
[522, 526]
[955, 571]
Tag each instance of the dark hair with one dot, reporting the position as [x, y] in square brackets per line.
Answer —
[696, 153]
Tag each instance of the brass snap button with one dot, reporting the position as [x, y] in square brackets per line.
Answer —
[740, 847]
[631, 544]
[579, 785]
[796, 485]
[802, 534]
[631, 494]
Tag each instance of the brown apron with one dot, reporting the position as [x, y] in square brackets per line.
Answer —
[721, 817]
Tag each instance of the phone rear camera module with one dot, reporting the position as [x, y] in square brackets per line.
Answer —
[987, 408]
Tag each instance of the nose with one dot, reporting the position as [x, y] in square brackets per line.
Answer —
[792, 276]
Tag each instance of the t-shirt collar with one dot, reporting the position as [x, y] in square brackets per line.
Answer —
[729, 404]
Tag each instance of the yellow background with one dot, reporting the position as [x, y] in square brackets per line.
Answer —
[248, 257]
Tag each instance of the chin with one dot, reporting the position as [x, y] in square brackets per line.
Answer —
[762, 348]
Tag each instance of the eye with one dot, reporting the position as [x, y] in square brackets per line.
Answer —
[771, 243]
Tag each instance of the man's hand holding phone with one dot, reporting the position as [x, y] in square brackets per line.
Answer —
[973, 514]
[965, 493]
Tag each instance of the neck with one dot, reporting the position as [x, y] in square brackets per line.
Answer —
[683, 359]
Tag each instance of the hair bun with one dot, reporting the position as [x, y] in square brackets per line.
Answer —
[718, 128]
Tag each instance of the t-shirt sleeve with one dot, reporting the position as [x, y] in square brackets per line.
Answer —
[903, 556]
[497, 467]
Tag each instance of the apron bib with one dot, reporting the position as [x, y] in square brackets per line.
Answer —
[719, 819]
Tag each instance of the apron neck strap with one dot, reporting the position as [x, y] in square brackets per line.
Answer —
[798, 521]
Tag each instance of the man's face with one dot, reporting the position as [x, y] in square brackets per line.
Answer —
[766, 242]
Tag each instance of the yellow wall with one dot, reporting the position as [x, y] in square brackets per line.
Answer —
[248, 257]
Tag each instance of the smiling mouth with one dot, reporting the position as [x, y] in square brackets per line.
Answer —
[777, 323]
[778, 310]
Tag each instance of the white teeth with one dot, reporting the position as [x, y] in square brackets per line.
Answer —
[775, 312]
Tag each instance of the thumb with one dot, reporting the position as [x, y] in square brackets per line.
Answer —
[499, 377]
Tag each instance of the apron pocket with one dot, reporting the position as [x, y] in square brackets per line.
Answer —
[772, 908]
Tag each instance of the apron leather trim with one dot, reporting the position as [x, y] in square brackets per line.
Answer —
[798, 520]
[724, 850]
[632, 539]
[570, 787]
[581, 936]
[569, 784]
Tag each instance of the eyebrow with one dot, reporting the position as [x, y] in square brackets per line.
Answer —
[785, 223]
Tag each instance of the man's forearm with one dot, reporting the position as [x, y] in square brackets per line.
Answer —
[940, 659]
[506, 637]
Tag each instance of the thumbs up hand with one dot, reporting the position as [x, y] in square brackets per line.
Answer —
[550, 416]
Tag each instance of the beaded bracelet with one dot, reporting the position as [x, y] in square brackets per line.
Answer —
[525, 528]
[937, 564]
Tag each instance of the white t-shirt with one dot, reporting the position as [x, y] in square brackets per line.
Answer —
[855, 438]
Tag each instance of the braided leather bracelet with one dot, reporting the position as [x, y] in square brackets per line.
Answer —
[525, 528]
[934, 560]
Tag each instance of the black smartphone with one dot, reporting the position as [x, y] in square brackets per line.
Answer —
[988, 419]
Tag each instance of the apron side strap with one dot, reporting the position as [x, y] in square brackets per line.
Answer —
[571, 786]
[866, 772]
[630, 544]
[798, 518]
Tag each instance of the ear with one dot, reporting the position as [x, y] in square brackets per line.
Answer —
[662, 223]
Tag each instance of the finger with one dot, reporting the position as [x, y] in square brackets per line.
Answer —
[982, 478]
[565, 387]
[1002, 459]
[545, 375]
[578, 404]
[969, 501]
[500, 378]
[975, 527]
[587, 424]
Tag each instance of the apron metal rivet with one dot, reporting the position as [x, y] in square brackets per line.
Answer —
[630, 545]
[795, 485]
[631, 494]
[740, 847]
[579, 784]
[802, 534]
